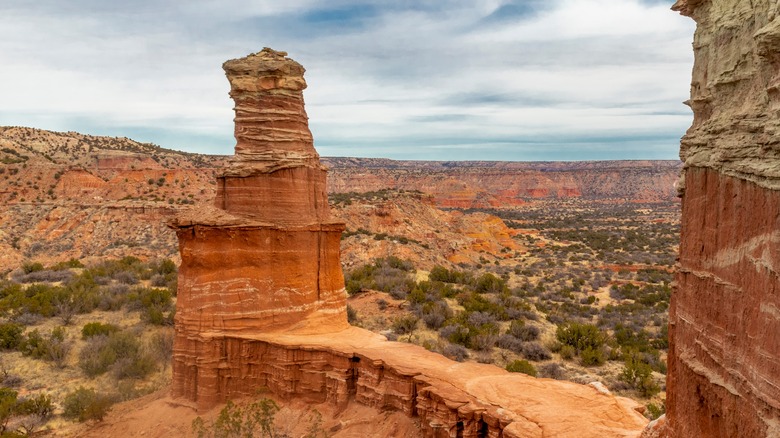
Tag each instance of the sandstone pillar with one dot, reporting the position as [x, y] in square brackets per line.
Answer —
[724, 356]
[266, 257]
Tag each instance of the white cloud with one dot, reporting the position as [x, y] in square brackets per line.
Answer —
[393, 79]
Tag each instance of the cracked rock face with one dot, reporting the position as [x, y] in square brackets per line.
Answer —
[724, 356]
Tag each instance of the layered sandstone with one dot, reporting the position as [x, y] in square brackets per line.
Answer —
[267, 257]
[491, 184]
[724, 356]
[261, 299]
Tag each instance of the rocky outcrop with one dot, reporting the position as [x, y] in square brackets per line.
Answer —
[724, 356]
[267, 257]
[261, 299]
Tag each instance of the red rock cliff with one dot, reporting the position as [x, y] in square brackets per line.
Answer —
[261, 300]
[724, 356]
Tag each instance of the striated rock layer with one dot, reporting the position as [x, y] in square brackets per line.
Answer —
[267, 257]
[724, 356]
[261, 299]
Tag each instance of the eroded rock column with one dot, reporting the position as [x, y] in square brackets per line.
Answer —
[266, 257]
[724, 357]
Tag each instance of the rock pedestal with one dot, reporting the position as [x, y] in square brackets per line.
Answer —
[266, 258]
[724, 355]
[261, 300]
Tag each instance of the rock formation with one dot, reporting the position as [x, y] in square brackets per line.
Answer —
[261, 301]
[488, 184]
[724, 356]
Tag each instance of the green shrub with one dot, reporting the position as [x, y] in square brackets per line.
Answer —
[119, 351]
[521, 366]
[567, 352]
[7, 406]
[580, 336]
[255, 419]
[10, 335]
[654, 411]
[30, 267]
[489, 283]
[522, 331]
[85, 404]
[55, 347]
[593, 357]
[639, 375]
[405, 324]
[97, 328]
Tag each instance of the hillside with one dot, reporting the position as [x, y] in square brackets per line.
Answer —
[70, 195]
[490, 184]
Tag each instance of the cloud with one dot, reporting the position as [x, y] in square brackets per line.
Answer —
[466, 79]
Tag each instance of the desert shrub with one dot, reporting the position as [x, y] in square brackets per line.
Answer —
[255, 419]
[126, 277]
[391, 275]
[96, 357]
[628, 338]
[474, 302]
[27, 318]
[97, 328]
[11, 335]
[483, 341]
[552, 371]
[522, 331]
[535, 352]
[567, 352]
[30, 267]
[580, 336]
[7, 406]
[352, 315]
[113, 297]
[161, 346]
[85, 404]
[155, 304]
[55, 347]
[511, 343]
[489, 283]
[484, 357]
[639, 375]
[70, 264]
[521, 366]
[34, 412]
[158, 280]
[455, 352]
[44, 276]
[119, 351]
[134, 367]
[654, 411]
[38, 298]
[405, 324]
[440, 273]
[593, 357]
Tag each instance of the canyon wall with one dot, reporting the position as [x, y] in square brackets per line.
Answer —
[489, 184]
[261, 299]
[724, 356]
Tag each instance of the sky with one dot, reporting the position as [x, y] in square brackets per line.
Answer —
[404, 79]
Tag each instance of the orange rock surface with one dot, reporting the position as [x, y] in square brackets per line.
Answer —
[724, 355]
[261, 300]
